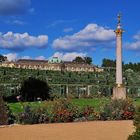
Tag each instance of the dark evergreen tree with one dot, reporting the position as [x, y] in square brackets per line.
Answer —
[33, 88]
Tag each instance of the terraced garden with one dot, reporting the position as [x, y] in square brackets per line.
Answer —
[102, 83]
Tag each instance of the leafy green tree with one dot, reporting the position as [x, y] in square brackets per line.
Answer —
[133, 66]
[2, 58]
[33, 88]
[108, 63]
[79, 59]
[112, 63]
[88, 60]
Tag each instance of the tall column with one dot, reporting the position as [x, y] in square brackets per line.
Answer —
[119, 59]
[119, 91]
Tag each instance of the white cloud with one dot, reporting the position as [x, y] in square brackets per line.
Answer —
[137, 36]
[17, 41]
[15, 56]
[40, 58]
[91, 36]
[11, 56]
[14, 7]
[63, 56]
[68, 56]
[37, 58]
[135, 45]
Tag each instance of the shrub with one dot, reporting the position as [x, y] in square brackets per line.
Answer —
[118, 110]
[6, 116]
[57, 111]
[136, 122]
[64, 111]
[89, 113]
[44, 116]
[28, 116]
[3, 112]
[11, 117]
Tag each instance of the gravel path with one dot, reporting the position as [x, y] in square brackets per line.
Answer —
[96, 130]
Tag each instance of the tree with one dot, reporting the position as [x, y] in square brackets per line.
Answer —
[2, 58]
[33, 88]
[88, 60]
[133, 66]
[108, 63]
[79, 59]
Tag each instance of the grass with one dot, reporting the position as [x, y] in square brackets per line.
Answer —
[96, 103]
[18, 107]
[136, 101]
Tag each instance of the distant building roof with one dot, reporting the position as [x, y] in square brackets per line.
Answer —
[31, 61]
[55, 60]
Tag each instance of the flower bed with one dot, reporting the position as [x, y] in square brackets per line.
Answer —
[63, 111]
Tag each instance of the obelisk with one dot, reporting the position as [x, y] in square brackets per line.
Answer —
[119, 91]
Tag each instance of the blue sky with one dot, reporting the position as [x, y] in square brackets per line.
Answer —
[68, 28]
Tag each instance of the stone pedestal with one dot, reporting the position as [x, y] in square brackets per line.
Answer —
[119, 93]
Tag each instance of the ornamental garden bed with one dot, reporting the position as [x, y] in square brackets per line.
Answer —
[63, 110]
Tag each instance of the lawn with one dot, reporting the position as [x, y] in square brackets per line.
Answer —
[136, 101]
[97, 103]
[18, 107]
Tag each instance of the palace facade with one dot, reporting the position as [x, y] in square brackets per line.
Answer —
[53, 64]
